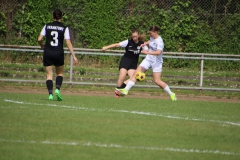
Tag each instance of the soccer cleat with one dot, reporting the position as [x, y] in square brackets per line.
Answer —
[122, 91]
[116, 95]
[173, 97]
[50, 97]
[59, 97]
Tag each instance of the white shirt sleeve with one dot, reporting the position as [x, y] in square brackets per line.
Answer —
[66, 34]
[145, 48]
[124, 43]
[160, 45]
[43, 32]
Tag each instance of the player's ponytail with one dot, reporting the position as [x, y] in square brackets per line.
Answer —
[154, 29]
[142, 37]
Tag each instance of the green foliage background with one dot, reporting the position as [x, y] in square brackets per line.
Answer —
[96, 23]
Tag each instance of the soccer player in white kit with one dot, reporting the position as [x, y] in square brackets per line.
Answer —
[153, 60]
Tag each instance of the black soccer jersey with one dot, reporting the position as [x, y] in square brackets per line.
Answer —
[54, 36]
[132, 50]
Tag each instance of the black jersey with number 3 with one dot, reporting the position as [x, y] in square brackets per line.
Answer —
[54, 36]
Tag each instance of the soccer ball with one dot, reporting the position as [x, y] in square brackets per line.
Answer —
[140, 76]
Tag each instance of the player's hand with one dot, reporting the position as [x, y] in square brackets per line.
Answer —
[75, 60]
[144, 52]
[142, 45]
[42, 46]
[104, 49]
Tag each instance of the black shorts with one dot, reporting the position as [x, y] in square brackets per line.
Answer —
[55, 58]
[127, 63]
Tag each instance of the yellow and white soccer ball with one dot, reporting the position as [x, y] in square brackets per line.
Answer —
[140, 76]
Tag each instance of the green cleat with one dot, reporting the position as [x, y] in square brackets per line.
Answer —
[122, 91]
[59, 97]
[50, 97]
[173, 97]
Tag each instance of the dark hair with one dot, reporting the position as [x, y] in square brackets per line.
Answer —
[154, 29]
[57, 14]
[141, 37]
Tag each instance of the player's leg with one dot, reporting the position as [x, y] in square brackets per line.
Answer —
[49, 82]
[124, 65]
[120, 82]
[130, 74]
[142, 67]
[59, 80]
[47, 63]
[157, 72]
[122, 75]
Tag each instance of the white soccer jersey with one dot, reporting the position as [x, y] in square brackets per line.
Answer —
[154, 45]
[66, 33]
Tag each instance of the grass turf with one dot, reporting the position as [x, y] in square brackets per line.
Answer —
[94, 127]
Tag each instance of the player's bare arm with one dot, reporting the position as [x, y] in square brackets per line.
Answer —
[40, 41]
[69, 44]
[115, 45]
[157, 52]
[145, 43]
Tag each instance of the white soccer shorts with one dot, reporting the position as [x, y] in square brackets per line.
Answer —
[156, 66]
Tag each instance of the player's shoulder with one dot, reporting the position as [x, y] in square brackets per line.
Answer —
[159, 39]
[131, 42]
[56, 23]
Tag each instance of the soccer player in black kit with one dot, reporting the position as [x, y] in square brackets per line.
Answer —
[55, 33]
[128, 63]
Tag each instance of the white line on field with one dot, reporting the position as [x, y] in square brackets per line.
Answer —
[90, 144]
[126, 111]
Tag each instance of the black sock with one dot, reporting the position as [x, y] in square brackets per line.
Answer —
[49, 84]
[59, 80]
[122, 86]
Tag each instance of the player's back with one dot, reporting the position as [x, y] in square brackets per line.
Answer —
[55, 36]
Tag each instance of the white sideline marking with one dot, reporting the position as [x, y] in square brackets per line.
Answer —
[126, 111]
[90, 144]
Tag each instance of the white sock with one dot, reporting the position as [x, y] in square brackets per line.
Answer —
[167, 89]
[130, 84]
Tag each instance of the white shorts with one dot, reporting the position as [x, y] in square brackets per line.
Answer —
[156, 66]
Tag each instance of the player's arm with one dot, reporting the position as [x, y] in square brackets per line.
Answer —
[40, 41]
[42, 34]
[157, 52]
[70, 47]
[115, 45]
[145, 43]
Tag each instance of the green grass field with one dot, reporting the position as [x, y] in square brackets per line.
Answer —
[106, 128]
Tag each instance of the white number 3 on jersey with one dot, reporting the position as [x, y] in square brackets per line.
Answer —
[55, 38]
